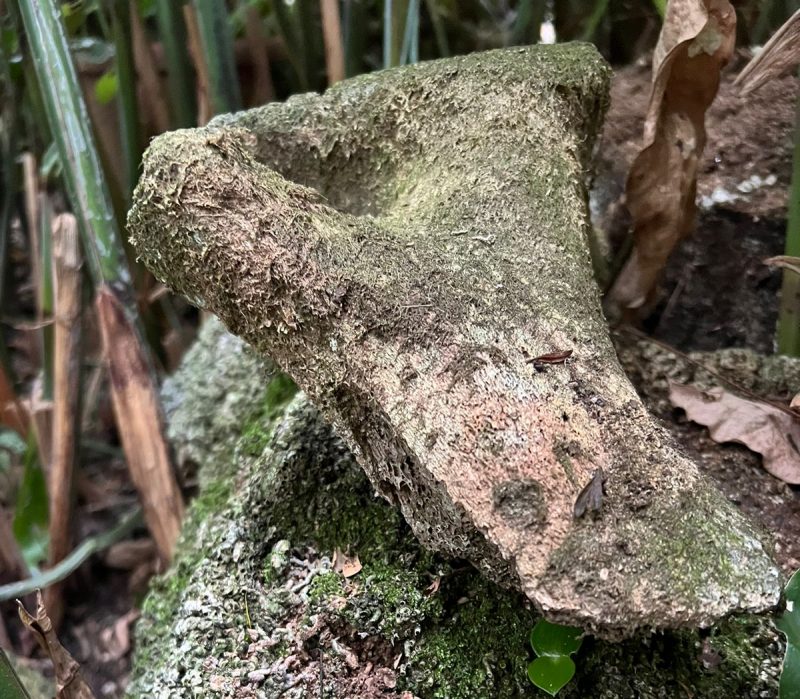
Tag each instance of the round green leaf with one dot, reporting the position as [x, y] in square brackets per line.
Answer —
[551, 673]
[553, 639]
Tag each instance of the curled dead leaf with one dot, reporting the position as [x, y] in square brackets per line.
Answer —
[696, 41]
[760, 426]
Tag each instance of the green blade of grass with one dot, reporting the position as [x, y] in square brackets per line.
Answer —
[217, 43]
[69, 122]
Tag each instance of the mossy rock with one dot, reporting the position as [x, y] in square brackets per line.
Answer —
[254, 605]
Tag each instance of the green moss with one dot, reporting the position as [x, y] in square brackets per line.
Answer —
[326, 586]
[478, 649]
[257, 431]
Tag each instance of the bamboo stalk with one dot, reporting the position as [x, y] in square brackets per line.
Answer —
[179, 69]
[217, 53]
[204, 108]
[263, 89]
[44, 289]
[66, 414]
[126, 96]
[133, 382]
[332, 34]
[149, 80]
[30, 186]
[789, 314]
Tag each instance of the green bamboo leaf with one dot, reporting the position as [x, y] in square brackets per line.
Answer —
[789, 625]
[551, 673]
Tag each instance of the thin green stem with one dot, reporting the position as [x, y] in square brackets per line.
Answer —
[72, 562]
[789, 314]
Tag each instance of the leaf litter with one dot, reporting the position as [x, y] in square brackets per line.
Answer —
[760, 426]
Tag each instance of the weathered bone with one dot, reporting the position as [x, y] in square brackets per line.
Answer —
[404, 246]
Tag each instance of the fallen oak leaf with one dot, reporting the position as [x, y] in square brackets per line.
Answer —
[761, 427]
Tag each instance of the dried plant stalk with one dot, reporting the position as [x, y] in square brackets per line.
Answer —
[140, 423]
[66, 396]
[332, 34]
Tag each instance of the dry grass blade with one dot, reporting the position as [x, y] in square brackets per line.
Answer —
[141, 427]
[696, 41]
[69, 680]
[332, 34]
[66, 395]
[779, 55]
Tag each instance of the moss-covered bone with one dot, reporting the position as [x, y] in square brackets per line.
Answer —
[403, 246]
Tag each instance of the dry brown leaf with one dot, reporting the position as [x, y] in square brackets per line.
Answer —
[345, 565]
[697, 40]
[761, 427]
[779, 55]
[69, 681]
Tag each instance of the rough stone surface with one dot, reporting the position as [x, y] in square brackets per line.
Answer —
[253, 608]
[404, 246]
